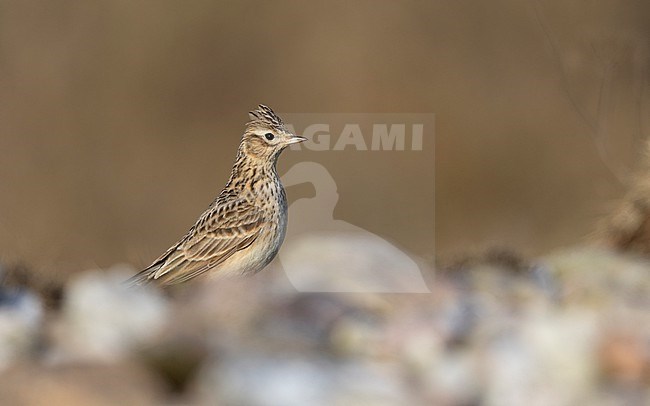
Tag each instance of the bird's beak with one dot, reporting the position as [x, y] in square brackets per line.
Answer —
[294, 139]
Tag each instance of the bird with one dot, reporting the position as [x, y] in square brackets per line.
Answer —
[243, 228]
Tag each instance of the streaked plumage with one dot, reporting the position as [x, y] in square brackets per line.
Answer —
[243, 228]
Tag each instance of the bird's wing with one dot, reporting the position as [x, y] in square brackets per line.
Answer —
[224, 229]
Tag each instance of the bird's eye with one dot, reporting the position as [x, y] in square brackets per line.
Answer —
[269, 136]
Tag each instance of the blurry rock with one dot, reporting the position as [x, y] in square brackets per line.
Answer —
[349, 262]
[499, 278]
[371, 383]
[304, 320]
[453, 380]
[495, 257]
[262, 380]
[103, 319]
[544, 359]
[21, 316]
[176, 359]
[601, 278]
[96, 385]
[358, 334]
[417, 346]
[47, 286]
[338, 322]
[625, 358]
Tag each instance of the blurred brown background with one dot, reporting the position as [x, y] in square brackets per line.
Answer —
[119, 120]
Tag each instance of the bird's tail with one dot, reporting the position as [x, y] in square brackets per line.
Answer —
[143, 277]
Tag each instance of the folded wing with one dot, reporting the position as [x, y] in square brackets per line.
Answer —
[216, 236]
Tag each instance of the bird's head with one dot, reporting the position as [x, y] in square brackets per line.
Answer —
[266, 136]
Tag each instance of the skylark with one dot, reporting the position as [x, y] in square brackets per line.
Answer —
[243, 228]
